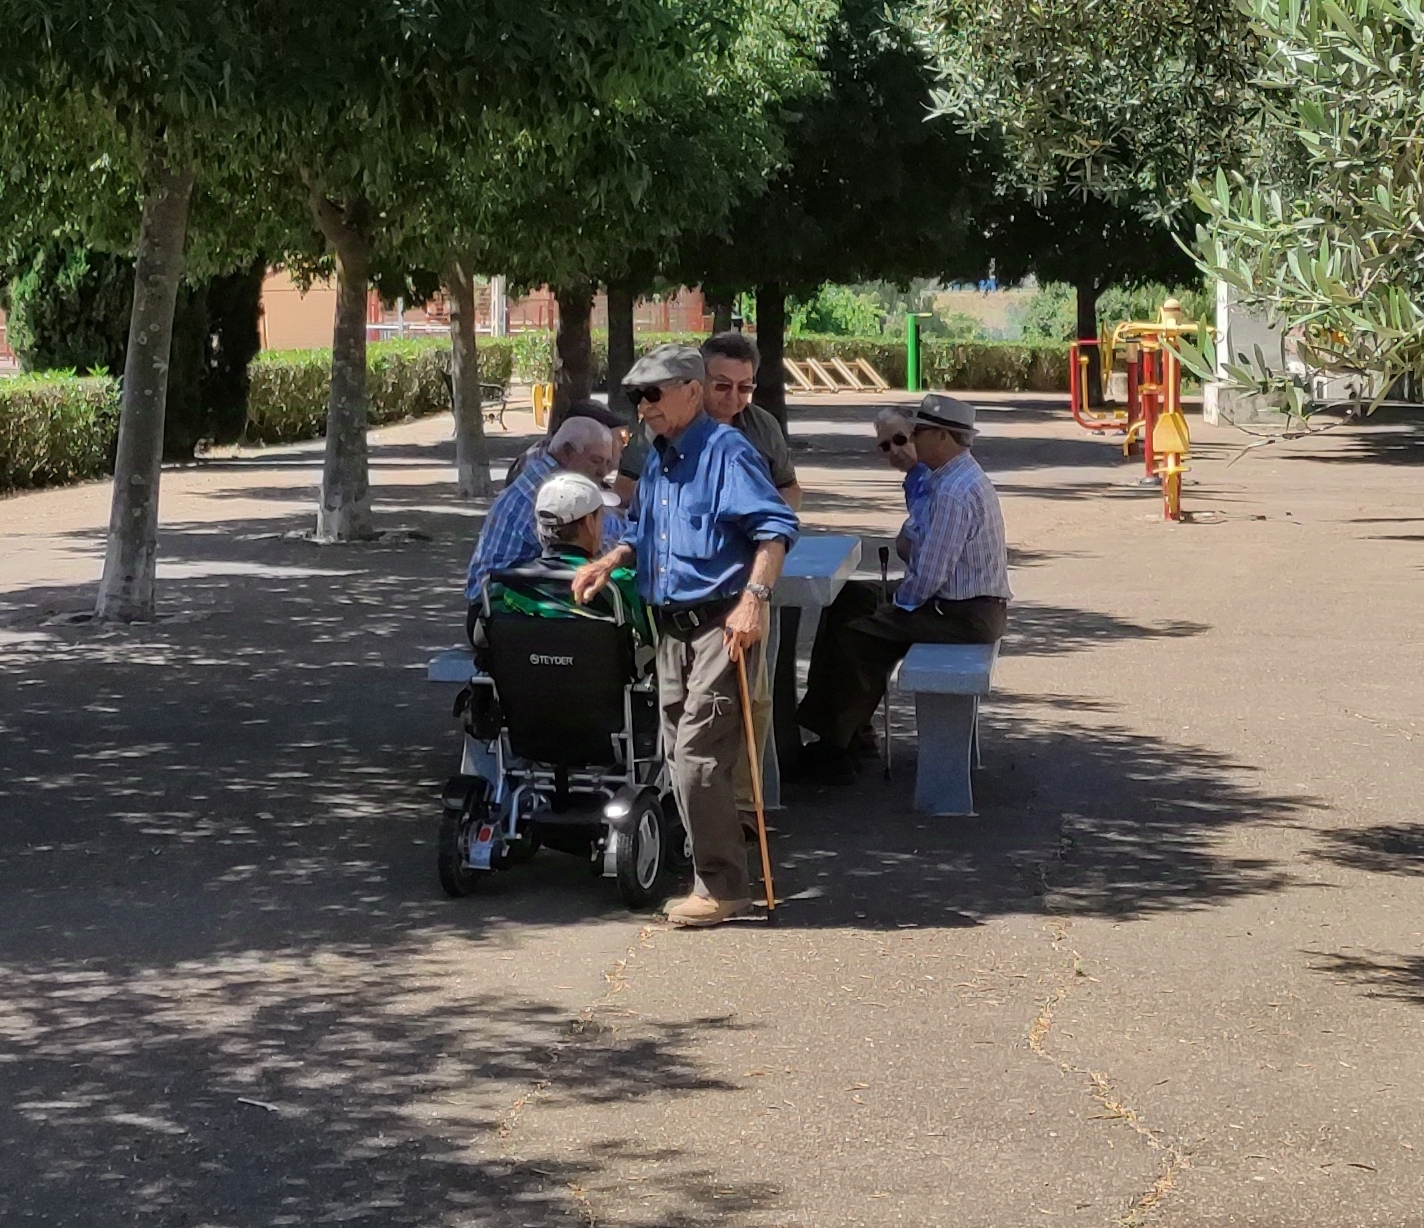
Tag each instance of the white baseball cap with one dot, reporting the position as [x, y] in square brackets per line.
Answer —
[567, 497]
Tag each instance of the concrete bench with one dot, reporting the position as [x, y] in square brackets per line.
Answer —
[946, 681]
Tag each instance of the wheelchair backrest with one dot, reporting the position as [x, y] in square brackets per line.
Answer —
[560, 683]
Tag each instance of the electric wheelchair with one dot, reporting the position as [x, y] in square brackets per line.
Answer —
[562, 745]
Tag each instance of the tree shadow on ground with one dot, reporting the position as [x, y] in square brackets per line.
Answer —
[217, 881]
[1038, 629]
[1382, 975]
[1397, 439]
[1078, 815]
[1392, 848]
[357, 1083]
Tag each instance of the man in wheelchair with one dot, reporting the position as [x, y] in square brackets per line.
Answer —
[568, 517]
[562, 746]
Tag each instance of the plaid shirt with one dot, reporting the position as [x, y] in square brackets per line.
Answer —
[508, 537]
[958, 548]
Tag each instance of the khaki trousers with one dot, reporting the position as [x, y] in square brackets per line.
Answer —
[759, 684]
[703, 739]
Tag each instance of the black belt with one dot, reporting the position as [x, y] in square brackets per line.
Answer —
[681, 620]
[937, 602]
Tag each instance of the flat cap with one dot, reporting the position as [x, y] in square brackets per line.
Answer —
[668, 364]
[950, 413]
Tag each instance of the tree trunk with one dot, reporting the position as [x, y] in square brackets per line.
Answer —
[721, 314]
[471, 449]
[344, 513]
[621, 346]
[573, 349]
[771, 341]
[126, 591]
[1087, 293]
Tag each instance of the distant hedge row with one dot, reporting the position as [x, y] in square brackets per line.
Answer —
[984, 366]
[56, 429]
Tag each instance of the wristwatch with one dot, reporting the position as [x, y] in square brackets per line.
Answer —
[760, 591]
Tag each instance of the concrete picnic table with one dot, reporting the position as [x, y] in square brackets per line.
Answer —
[816, 569]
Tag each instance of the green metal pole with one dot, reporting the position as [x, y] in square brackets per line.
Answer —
[912, 352]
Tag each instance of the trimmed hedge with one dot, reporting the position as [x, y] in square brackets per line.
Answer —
[287, 401]
[982, 366]
[56, 429]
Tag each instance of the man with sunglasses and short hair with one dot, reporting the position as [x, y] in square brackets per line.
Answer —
[730, 361]
[709, 533]
[955, 590]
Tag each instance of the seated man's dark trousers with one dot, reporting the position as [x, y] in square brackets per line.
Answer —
[860, 638]
[703, 738]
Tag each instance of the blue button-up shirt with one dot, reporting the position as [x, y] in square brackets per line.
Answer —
[510, 538]
[917, 488]
[704, 501]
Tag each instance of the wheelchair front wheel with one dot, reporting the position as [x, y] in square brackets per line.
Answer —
[639, 854]
[458, 825]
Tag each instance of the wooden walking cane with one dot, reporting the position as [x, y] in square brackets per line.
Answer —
[754, 764]
[885, 597]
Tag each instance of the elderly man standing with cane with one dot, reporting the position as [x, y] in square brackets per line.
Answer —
[709, 533]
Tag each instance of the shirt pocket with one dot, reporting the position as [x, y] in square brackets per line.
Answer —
[694, 531]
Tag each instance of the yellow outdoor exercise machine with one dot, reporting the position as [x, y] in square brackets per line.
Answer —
[1152, 419]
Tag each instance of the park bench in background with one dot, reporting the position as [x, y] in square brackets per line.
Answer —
[494, 399]
[947, 681]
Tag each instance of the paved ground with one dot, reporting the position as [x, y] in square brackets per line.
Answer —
[1173, 974]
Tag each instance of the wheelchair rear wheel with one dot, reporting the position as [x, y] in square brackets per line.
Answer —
[640, 855]
[458, 825]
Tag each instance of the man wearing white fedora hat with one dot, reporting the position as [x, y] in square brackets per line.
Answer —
[955, 590]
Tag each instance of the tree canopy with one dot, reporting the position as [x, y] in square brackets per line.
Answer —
[1324, 234]
[1126, 100]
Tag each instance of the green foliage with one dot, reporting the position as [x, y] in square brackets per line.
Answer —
[1144, 302]
[534, 356]
[1325, 238]
[835, 310]
[56, 429]
[69, 308]
[952, 326]
[996, 366]
[1050, 315]
[1124, 100]
[866, 188]
[407, 379]
[70, 312]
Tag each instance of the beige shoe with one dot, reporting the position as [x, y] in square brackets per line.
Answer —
[699, 911]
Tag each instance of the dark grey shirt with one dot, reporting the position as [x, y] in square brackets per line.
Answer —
[760, 427]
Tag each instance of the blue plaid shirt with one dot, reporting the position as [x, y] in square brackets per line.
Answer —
[917, 489]
[958, 547]
[704, 501]
[509, 537]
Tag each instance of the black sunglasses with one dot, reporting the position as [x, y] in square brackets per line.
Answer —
[895, 441]
[652, 394]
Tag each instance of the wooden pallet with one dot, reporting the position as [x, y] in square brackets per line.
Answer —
[827, 380]
[872, 375]
[799, 377]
